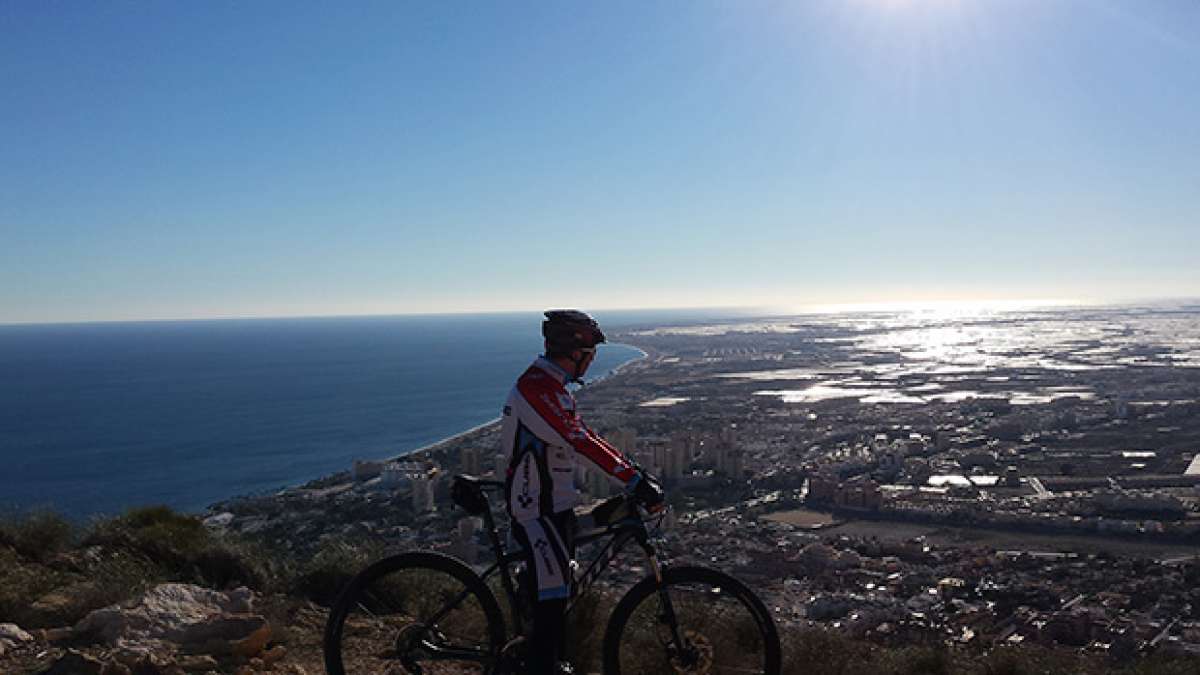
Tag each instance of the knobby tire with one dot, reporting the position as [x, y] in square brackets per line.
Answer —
[725, 627]
[379, 624]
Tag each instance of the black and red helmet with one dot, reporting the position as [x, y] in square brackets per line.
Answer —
[566, 330]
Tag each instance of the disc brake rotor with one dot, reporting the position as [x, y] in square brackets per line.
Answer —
[696, 656]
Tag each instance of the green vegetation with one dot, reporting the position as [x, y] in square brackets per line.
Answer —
[53, 573]
[323, 576]
[39, 535]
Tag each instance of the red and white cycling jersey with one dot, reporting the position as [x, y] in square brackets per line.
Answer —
[543, 436]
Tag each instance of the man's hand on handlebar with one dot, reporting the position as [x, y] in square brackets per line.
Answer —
[648, 493]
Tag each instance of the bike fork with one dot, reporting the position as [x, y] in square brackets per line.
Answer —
[666, 614]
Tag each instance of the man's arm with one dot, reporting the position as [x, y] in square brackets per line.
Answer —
[572, 432]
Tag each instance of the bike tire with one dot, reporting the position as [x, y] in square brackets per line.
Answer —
[717, 615]
[388, 605]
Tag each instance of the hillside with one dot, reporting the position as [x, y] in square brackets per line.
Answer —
[263, 610]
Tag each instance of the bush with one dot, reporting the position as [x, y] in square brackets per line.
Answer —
[921, 661]
[322, 578]
[1163, 665]
[22, 583]
[585, 630]
[181, 548]
[229, 564]
[820, 651]
[116, 578]
[156, 532]
[39, 535]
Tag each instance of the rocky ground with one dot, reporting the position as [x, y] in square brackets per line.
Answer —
[150, 592]
[155, 592]
[174, 628]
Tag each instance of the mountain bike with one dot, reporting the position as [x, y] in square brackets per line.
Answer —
[427, 612]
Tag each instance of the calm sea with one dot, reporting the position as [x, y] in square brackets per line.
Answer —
[95, 418]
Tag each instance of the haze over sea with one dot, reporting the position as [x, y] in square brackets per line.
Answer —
[99, 417]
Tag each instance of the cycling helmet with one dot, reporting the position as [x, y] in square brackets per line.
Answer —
[566, 330]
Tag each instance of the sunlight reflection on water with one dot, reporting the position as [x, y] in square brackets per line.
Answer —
[884, 350]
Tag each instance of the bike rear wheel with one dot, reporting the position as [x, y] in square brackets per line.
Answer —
[719, 627]
[414, 613]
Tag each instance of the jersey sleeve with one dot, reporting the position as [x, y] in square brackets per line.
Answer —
[548, 406]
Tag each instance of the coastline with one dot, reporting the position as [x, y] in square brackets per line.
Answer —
[429, 447]
[433, 447]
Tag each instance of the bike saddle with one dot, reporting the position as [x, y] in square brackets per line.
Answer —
[481, 482]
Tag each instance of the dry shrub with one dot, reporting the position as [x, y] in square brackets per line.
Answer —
[322, 578]
[38, 535]
[158, 533]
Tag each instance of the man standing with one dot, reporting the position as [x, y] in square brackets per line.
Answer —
[543, 437]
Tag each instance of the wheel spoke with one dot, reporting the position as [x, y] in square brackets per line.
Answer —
[720, 629]
[388, 621]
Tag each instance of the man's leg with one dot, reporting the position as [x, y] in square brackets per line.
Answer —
[566, 525]
[549, 562]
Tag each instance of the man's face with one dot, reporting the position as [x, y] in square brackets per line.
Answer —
[588, 354]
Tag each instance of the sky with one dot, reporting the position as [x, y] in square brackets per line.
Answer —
[209, 159]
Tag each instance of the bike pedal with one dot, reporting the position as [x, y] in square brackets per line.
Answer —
[512, 657]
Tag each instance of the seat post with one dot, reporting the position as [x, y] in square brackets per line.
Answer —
[490, 523]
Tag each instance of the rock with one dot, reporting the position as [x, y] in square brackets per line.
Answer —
[198, 663]
[170, 617]
[155, 664]
[61, 605]
[56, 634]
[243, 635]
[241, 600]
[274, 655]
[11, 635]
[11, 632]
[76, 663]
[162, 611]
[115, 668]
[219, 521]
[253, 643]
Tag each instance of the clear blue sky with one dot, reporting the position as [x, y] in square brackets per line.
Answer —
[191, 159]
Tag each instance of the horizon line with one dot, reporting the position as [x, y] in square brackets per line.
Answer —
[771, 309]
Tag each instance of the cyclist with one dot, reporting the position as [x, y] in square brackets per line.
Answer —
[543, 438]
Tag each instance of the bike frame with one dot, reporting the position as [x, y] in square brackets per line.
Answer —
[619, 534]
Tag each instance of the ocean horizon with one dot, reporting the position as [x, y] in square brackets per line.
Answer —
[96, 418]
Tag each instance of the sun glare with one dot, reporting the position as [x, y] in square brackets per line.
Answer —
[939, 307]
[907, 4]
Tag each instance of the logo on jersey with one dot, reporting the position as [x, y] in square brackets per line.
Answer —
[543, 547]
[554, 408]
[524, 499]
[564, 400]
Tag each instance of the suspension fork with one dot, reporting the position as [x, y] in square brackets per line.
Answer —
[667, 609]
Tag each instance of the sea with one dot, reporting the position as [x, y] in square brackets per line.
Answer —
[96, 418]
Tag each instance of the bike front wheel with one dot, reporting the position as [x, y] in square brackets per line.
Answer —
[414, 613]
[697, 622]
